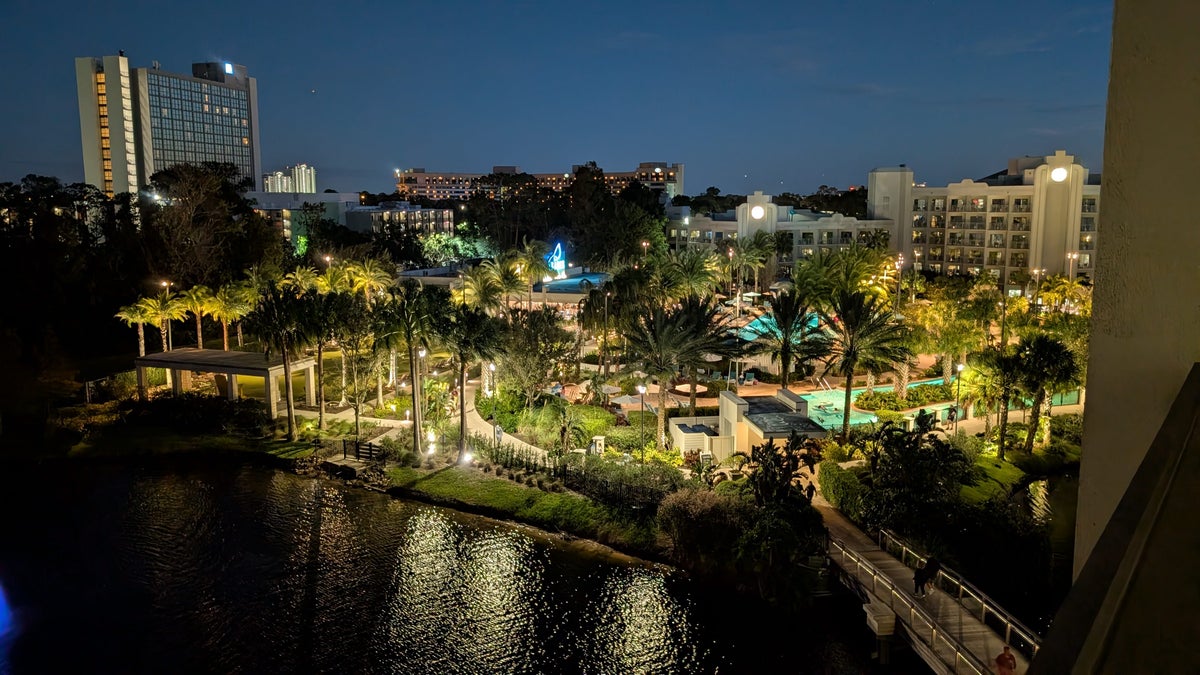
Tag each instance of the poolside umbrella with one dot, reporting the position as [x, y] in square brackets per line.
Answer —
[751, 294]
[712, 358]
[610, 389]
[627, 400]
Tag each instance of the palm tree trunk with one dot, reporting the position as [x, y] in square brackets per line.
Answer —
[870, 382]
[1035, 419]
[241, 343]
[225, 333]
[199, 331]
[379, 388]
[947, 368]
[903, 372]
[287, 389]
[661, 424]
[462, 406]
[320, 385]
[692, 395]
[162, 331]
[785, 362]
[416, 399]
[846, 409]
[1004, 399]
[141, 340]
[343, 401]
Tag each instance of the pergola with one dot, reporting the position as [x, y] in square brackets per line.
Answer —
[182, 362]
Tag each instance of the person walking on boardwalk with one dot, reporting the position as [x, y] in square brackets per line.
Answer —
[1006, 663]
[920, 578]
[932, 567]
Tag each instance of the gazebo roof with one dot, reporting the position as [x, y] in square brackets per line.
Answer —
[218, 361]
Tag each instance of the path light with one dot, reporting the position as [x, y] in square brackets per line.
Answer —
[641, 389]
[466, 458]
[957, 393]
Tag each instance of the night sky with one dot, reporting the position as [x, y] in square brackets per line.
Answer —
[774, 96]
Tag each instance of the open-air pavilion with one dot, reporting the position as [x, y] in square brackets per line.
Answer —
[227, 367]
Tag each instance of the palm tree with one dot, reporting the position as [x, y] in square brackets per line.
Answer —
[693, 271]
[276, 320]
[504, 269]
[792, 336]
[164, 308]
[321, 315]
[228, 304]
[301, 280]
[668, 340]
[481, 289]
[469, 333]
[865, 331]
[1046, 364]
[1060, 291]
[197, 300]
[408, 317]
[1002, 367]
[981, 388]
[532, 265]
[137, 315]
[334, 279]
[370, 277]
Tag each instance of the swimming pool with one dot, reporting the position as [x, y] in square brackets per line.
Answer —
[825, 407]
[577, 284]
[765, 325]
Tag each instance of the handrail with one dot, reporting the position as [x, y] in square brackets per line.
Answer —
[1012, 626]
[910, 612]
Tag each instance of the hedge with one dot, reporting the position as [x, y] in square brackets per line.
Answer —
[920, 395]
[842, 488]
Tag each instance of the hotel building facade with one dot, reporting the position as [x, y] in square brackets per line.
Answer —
[298, 179]
[135, 122]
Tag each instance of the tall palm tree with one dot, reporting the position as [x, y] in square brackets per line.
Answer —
[228, 304]
[164, 308]
[321, 315]
[792, 335]
[137, 315]
[276, 319]
[337, 279]
[981, 387]
[669, 340]
[409, 317]
[469, 333]
[865, 331]
[1002, 366]
[1046, 364]
[532, 263]
[504, 269]
[197, 300]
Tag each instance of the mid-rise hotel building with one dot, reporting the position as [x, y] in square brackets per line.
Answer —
[135, 122]
[658, 176]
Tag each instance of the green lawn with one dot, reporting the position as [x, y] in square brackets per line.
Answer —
[156, 441]
[998, 480]
[555, 511]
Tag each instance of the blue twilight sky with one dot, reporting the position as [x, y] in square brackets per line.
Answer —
[780, 96]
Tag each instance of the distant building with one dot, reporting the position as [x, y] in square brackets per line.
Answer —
[1039, 214]
[135, 122]
[301, 179]
[658, 176]
[812, 232]
[286, 212]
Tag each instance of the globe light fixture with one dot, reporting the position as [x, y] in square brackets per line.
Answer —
[757, 212]
[1058, 175]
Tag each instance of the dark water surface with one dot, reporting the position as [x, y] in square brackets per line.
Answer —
[185, 566]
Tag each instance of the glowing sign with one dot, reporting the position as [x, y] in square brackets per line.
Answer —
[558, 262]
[228, 68]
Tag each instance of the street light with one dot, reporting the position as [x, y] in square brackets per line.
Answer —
[899, 279]
[604, 342]
[328, 261]
[1037, 285]
[641, 389]
[1071, 258]
[491, 379]
[645, 247]
[957, 394]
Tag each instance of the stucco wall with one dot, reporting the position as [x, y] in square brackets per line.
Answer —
[1146, 317]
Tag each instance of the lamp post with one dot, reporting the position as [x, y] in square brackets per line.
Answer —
[1037, 286]
[730, 252]
[1071, 258]
[604, 341]
[645, 249]
[899, 280]
[957, 394]
[328, 261]
[167, 291]
[641, 389]
[491, 379]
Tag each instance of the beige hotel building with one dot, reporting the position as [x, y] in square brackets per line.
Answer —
[658, 176]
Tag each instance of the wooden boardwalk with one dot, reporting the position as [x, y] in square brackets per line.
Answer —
[949, 637]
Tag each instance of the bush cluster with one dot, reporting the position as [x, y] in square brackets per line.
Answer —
[505, 408]
[842, 488]
[201, 414]
[920, 395]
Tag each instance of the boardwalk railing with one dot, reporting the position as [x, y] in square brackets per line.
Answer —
[952, 653]
[989, 612]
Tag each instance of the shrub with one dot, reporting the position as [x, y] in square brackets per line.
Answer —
[701, 411]
[505, 407]
[593, 420]
[842, 488]
[1069, 428]
[920, 395]
[201, 414]
[739, 487]
[703, 523]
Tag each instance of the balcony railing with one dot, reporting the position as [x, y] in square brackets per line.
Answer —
[1022, 208]
[968, 208]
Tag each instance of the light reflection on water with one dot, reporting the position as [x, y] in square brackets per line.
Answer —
[239, 569]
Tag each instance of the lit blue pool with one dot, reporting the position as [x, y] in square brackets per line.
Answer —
[765, 325]
[825, 407]
[578, 284]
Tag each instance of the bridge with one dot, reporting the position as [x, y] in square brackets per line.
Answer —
[956, 628]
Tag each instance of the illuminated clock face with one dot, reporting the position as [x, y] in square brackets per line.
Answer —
[756, 213]
[1058, 175]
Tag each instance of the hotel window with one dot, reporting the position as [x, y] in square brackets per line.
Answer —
[918, 237]
[998, 223]
[937, 221]
[1087, 242]
[1019, 241]
[937, 236]
[1017, 260]
[995, 258]
[996, 241]
[935, 253]
[939, 203]
[920, 221]
[999, 205]
[975, 222]
[920, 204]
[1022, 205]
[1020, 224]
[1087, 224]
[956, 222]
[1089, 205]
